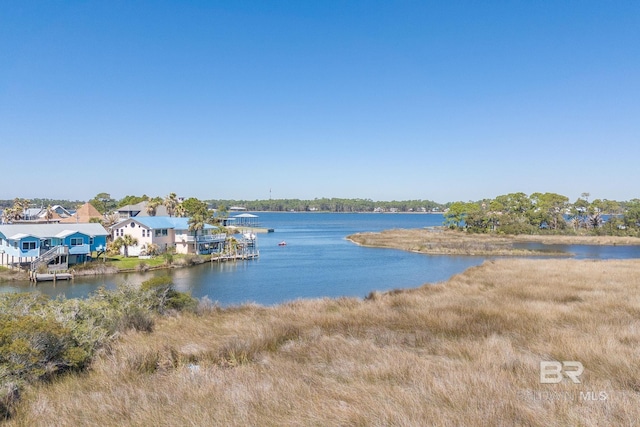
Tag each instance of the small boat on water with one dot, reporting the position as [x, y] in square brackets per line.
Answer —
[283, 243]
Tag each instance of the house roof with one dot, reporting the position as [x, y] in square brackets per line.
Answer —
[65, 233]
[141, 208]
[84, 214]
[246, 215]
[31, 212]
[18, 236]
[50, 230]
[159, 222]
[64, 213]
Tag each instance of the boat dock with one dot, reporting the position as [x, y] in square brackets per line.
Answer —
[49, 277]
[234, 257]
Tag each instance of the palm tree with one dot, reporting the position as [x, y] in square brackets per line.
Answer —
[170, 202]
[7, 215]
[180, 211]
[124, 242]
[150, 249]
[595, 220]
[48, 214]
[110, 219]
[197, 223]
[19, 207]
[152, 206]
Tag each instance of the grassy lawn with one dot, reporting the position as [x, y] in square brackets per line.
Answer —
[122, 263]
[129, 263]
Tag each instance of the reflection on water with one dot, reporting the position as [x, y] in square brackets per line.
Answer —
[586, 251]
[317, 262]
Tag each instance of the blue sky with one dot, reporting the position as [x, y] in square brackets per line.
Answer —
[393, 100]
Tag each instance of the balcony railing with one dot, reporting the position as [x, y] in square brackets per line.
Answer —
[207, 238]
[79, 250]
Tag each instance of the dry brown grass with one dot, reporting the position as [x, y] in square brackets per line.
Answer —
[440, 241]
[465, 352]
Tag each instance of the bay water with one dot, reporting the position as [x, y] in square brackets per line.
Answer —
[316, 262]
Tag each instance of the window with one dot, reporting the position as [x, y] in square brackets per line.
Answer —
[157, 233]
[165, 232]
[27, 246]
[77, 241]
[91, 240]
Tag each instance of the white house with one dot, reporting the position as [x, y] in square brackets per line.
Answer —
[168, 232]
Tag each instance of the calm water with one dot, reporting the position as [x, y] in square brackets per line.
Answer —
[317, 262]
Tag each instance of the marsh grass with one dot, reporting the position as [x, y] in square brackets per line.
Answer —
[464, 352]
[440, 241]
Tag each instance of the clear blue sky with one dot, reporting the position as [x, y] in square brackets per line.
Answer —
[388, 100]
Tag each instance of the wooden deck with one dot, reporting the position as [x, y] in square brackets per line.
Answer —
[234, 257]
[49, 277]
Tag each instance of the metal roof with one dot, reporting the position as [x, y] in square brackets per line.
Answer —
[52, 230]
[159, 222]
[65, 233]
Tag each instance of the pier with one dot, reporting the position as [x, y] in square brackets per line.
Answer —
[234, 257]
[49, 277]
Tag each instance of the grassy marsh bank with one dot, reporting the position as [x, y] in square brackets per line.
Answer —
[448, 242]
[456, 353]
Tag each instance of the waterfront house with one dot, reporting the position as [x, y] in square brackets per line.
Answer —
[85, 213]
[43, 215]
[140, 210]
[164, 232]
[50, 244]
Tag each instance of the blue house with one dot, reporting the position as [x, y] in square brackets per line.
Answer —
[53, 245]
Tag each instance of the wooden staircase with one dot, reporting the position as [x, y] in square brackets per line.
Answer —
[50, 255]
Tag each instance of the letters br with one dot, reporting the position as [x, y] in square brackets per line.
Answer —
[551, 372]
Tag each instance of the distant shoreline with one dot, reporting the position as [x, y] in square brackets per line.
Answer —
[441, 241]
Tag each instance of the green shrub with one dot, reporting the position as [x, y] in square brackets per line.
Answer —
[41, 337]
[32, 348]
[169, 256]
[142, 266]
[162, 296]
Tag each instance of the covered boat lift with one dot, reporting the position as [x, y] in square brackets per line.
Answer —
[245, 220]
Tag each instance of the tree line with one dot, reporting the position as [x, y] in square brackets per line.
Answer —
[331, 205]
[513, 213]
[104, 203]
[539, 213]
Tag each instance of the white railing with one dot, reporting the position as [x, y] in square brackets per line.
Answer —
[48, 256]
[212, 238]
